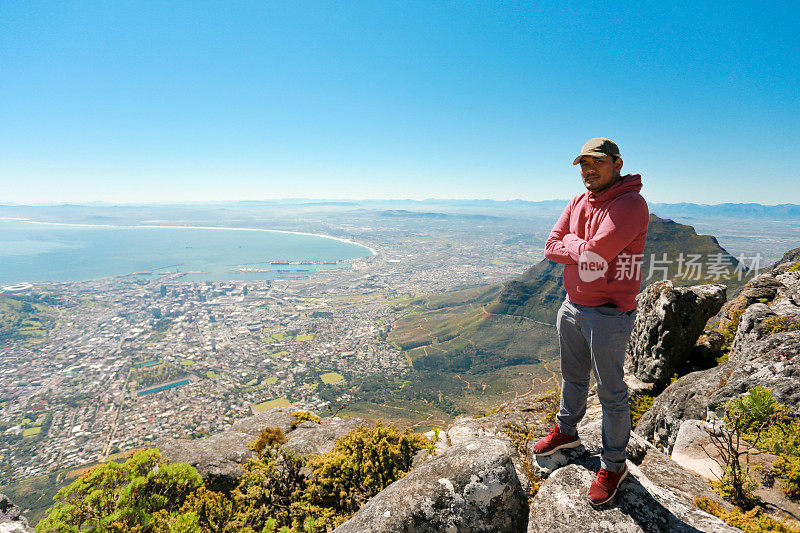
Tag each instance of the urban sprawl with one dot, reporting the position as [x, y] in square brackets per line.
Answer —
[133, 358]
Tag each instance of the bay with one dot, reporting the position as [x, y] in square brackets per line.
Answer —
[37, 252]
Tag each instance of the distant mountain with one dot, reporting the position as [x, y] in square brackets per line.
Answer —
[497, 325]
[425, 214]
[729, 210]
[255, 212]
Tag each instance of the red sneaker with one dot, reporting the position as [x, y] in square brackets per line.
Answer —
[605, 486]
[554, 441]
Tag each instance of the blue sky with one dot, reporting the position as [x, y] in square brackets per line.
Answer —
[169, 101]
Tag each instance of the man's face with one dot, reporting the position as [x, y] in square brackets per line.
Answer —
[599, 173]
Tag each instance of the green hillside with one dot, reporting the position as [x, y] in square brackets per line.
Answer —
[457, 331]
[472, 295]
[23, 318]
[468, 338]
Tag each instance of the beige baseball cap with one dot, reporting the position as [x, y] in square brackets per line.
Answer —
[598, 147]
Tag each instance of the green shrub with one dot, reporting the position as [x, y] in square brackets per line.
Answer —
[520, 435]
[781, 324]
[783, 439]
[736, 487]
[768, 425]
[122, 497]
[303, 416]
[361, 464]
[752, 521]
[746, 419]
[431, 446]
[782, 436]
[794, 268]
[729, 331]
[551, 400]
[203, 510]
[757, 409]
[147, 495]
[640, 404]
[273, 491]
[788, 467]
[274, 496]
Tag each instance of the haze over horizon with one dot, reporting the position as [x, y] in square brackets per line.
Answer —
[291, 200]
[150, 103]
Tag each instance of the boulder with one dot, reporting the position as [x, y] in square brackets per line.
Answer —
[758, 357]
[791, 286]
[217, 458]
[772, 362]
[684, 483]
[686, 398]
[749, 328]
[668, 322]
[639, 506]
[529, 416]
[471, 487]
[761, 288]
[763, 357]
[11, 519]
[464, 429]
[319, 437]
[788, 260]
[693, 450]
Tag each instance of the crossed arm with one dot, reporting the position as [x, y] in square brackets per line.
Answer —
[554, 248]
[625, 220]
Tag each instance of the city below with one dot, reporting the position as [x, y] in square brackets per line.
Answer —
[132, 358]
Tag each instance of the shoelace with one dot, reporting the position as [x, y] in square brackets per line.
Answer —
[603, 476]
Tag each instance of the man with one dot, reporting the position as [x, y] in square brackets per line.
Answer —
[599, 238]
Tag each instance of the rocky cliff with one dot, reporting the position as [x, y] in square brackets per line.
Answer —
[765, 351]
[11, 520]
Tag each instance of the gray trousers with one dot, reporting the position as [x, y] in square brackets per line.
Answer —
[594, 339]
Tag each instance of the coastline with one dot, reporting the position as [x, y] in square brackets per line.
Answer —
[340, 239]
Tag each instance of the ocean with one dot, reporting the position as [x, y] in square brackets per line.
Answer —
[36, 252]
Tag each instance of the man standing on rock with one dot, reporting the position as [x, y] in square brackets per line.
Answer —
[599, 238]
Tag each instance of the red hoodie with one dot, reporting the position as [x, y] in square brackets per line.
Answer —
[613, 226]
